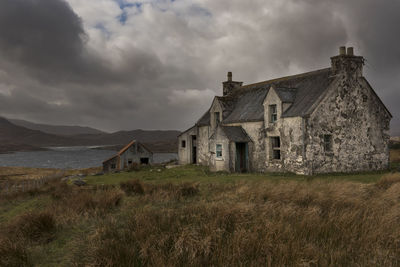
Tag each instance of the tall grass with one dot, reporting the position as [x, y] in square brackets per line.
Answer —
[243, 223]
[267, 224]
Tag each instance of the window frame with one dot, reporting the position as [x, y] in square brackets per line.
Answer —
[218, 152]
[327, 143]
[275, 148]
[183, 144]
[273, 113]
[217, 118]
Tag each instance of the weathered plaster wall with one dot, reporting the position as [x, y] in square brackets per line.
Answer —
[272, 130]
[220, 164]
[292, 144]
[359, 126]
[255, 130]
[203, 146]
[185, 153]
[215, 107]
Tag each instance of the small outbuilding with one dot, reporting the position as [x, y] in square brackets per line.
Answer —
[133, 153]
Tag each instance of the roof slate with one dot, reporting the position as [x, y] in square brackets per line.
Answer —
[287, 95]
[236, 133]
[246, 103]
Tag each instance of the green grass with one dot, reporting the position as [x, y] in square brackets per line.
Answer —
[200, 174]
[14, 207]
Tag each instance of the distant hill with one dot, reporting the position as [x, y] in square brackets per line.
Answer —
[19, 138]
[56, 129]
[123, 137]
[14, 134]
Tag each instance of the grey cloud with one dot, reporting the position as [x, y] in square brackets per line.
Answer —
[163, 66]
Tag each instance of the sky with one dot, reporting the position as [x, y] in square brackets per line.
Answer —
[153, 64]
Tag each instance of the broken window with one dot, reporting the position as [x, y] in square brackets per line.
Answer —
[276, 147]
[217, 120]
[218, 151]
[144, 160]
[113, 166]
[273, 117]
[328, 142]
[129, 161]
[183, 144]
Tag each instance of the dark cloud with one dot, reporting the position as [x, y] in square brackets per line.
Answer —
[74, 62]
[41, 34]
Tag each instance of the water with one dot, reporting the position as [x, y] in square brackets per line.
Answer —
[68, 158]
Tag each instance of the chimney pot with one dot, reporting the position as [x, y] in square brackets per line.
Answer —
[350, 51]
[229, 76]
[342, 50]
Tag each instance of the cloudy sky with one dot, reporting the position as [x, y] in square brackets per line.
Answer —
[153, 64]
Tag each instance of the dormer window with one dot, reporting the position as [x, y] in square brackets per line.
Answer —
[217, 120]
[273, 113]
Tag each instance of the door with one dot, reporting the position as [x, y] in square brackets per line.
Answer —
[241, 157]
[194, 150]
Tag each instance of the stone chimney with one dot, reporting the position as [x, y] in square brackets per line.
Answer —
[347, 63]
[229, 86]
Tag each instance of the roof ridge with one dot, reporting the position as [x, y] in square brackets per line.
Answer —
[285, 78]
[126, 148]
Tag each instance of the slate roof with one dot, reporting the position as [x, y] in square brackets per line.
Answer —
[236, 133]
[205, 119]
[287, 95]
[246, 103]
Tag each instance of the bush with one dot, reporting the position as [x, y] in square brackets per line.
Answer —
[39, 227]
[132, 187]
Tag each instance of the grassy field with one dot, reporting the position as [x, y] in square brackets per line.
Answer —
[25, 173]
[189, 216]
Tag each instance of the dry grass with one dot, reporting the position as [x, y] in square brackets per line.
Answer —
[24, 173]
[243, 223]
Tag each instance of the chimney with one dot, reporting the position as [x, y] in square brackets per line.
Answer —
[229, 76]
[229, 86]
[350, 51]
[342, 50]
[347, 63]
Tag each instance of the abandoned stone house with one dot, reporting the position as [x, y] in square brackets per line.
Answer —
[328, 120]
[132, 153]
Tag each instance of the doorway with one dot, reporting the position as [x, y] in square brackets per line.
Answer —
[194, 150]
[242, 156]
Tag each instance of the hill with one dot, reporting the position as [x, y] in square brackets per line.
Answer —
[56, 129]
[14, 134]
[15, 138]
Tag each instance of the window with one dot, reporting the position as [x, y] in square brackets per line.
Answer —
[276, 147]
[217, 120]
[129, 161]
[328, 142]
[113, 166]
[218, 150]
[183, 144]
[273, 114]
[144, 160]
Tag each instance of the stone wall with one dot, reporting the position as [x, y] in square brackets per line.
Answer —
[359, 125]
